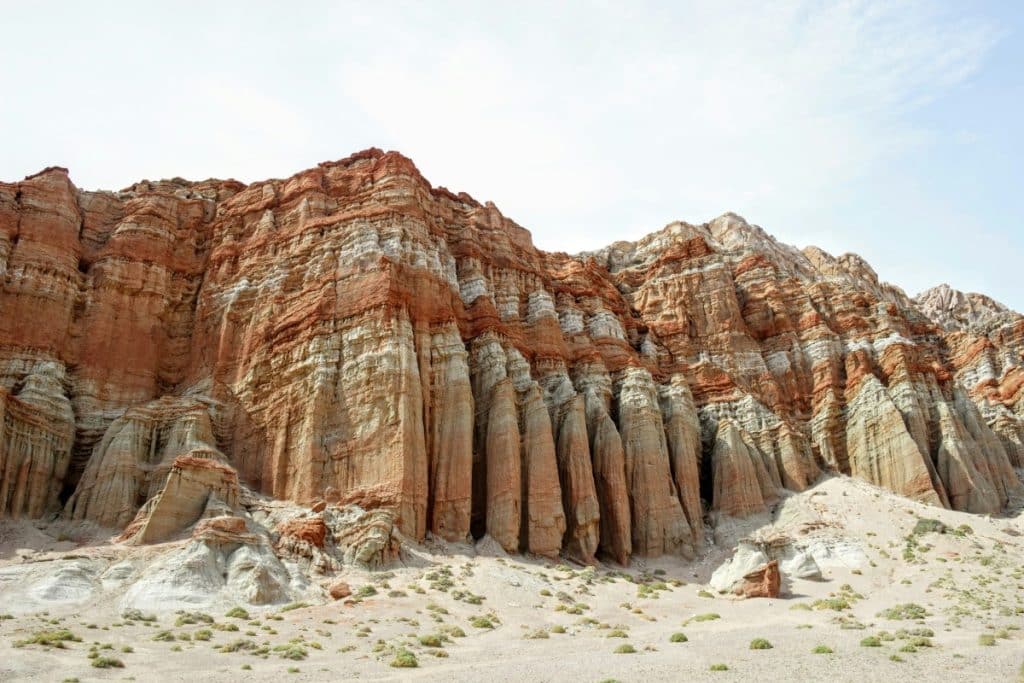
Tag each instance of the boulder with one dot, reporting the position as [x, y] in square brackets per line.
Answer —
[763, 582]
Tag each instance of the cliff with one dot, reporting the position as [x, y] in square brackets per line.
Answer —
[353, 335]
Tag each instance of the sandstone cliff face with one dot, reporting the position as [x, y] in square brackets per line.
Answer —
[352, 334]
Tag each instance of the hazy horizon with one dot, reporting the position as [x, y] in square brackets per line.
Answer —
[893, 131]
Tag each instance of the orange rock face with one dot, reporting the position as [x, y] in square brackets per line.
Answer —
[764, 582]
[353, 335]
[312, 531]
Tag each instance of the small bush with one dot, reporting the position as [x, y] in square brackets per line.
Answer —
[236, 645]
[835, 604]
[430, 641]
[928, 526]
[50, 638]
[137, 615]
[760, 644]
[237, 613]
[871, 641]
[907, 610]
[296, 605]
[625, 649]
[107, 663]
[710, 616]
[558, 628]
[822, 650]
[718, 667]
[203, 634]
[404, 660]
[678, 638]
[187, 618]
[481, 622]
[617, 633]
[987, 639]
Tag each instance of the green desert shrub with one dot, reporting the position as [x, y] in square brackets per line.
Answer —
[107, 663]
[187, 618]
[137, 615]
[710, 616]
[430, 640]
[481, 622]
[906, 610]
[238, 645]
[760, 644]
[453, 631]
[404, 659]
[835, 604]
[928, 526]
[55, 638]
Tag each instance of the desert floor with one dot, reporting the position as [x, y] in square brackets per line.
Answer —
[499, 618]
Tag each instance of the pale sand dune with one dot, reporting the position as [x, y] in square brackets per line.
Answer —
[970, 585]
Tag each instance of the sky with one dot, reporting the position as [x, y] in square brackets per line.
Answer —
[891, 129]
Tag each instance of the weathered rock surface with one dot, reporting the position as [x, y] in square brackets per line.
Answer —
[763, 582]
[197, 486]
[404, 358]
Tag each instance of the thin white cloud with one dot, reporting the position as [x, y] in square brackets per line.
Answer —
[635, 113]
[585, 122]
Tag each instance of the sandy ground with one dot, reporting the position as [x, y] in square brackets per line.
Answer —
[969, 583]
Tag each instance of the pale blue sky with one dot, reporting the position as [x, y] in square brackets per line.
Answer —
[895, 130]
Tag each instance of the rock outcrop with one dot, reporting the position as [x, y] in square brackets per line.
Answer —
[355, 338]
[763, 582]
[197, 486]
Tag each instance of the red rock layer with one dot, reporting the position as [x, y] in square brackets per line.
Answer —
[354, 335]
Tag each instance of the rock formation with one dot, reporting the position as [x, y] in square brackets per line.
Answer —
[763, 582]
[352, 335]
